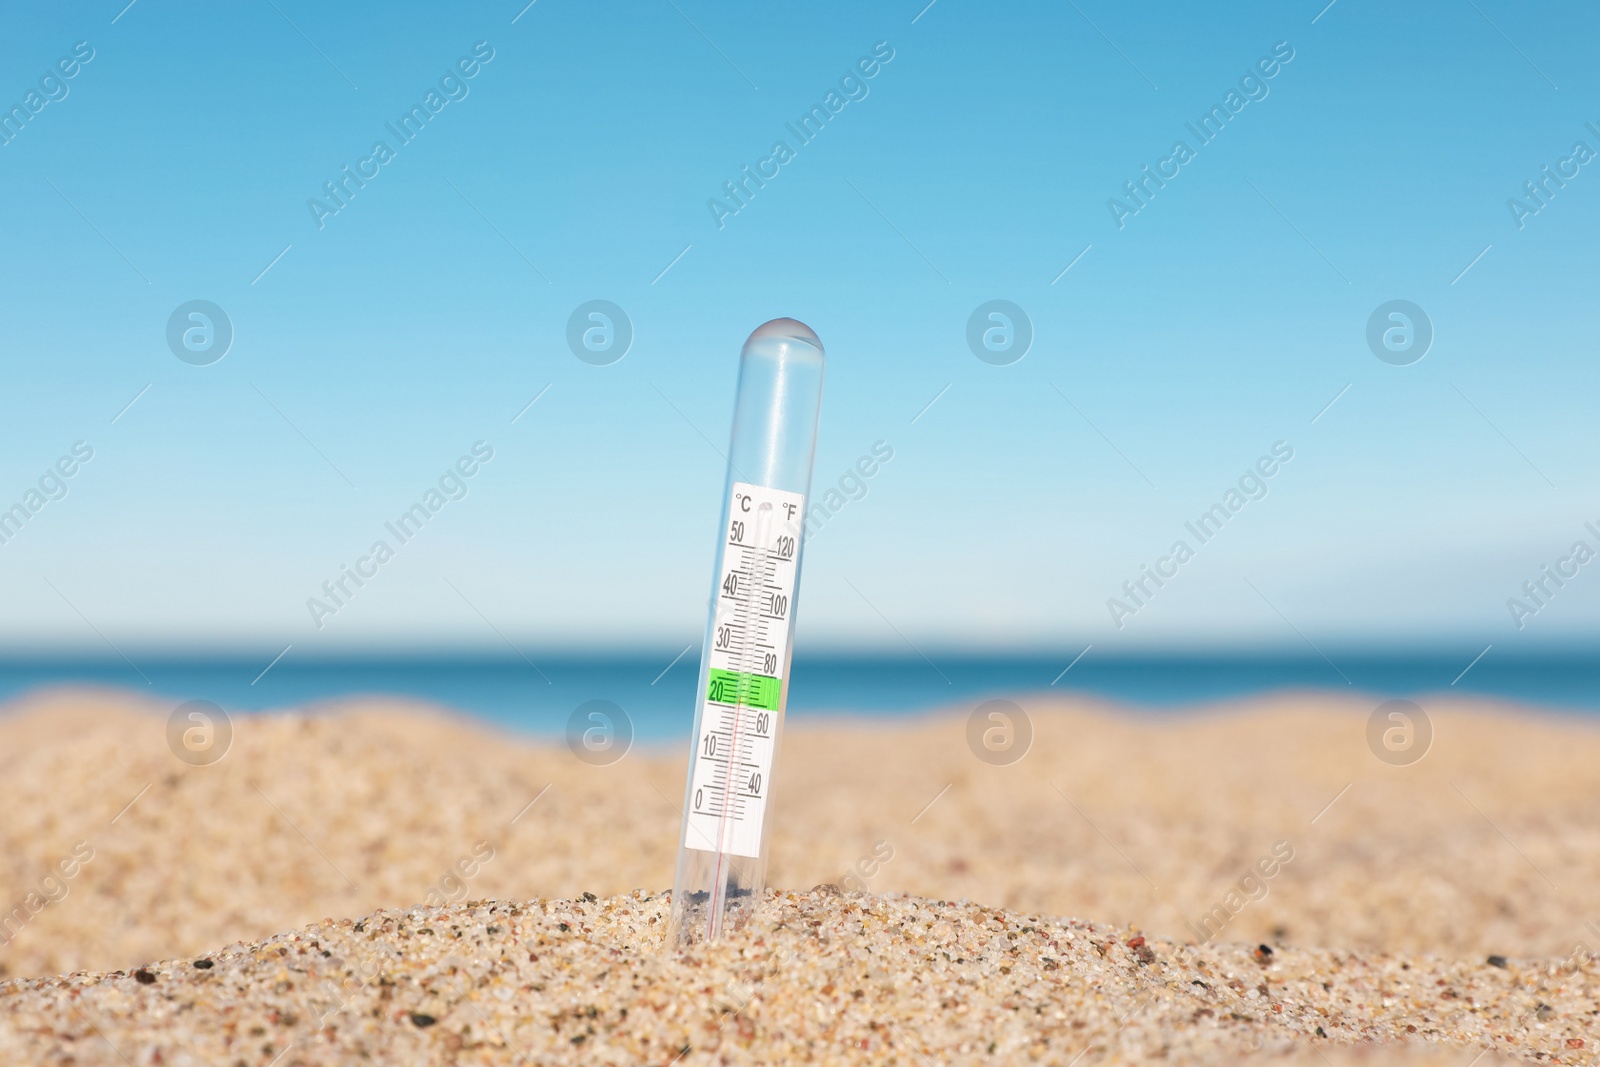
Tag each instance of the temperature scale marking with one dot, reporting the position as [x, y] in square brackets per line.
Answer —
[740, 708]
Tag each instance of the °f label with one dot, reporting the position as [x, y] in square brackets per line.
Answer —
[749, 656]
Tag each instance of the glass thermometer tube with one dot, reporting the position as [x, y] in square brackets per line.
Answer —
[744, 667]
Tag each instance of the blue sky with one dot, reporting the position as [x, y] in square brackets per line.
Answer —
[372, 352]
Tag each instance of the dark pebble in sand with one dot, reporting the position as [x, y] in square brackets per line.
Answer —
[144, 977]
[419, 1019]
[204, 965]
[1496, 961]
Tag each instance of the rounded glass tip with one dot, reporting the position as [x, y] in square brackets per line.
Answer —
[783, 332]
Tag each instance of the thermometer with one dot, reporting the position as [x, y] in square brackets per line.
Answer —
[744, 668]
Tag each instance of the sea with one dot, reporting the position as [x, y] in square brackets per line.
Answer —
[541, 694]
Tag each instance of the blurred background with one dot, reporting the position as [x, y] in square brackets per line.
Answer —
[272, 269]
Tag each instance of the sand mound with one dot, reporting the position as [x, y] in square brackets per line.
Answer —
[1381, 891]
[1487, 845]
[822, 978]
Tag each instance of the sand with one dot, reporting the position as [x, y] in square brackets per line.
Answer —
[1389, 888]
[827, 979]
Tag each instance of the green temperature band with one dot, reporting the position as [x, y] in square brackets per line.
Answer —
[749, 690]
